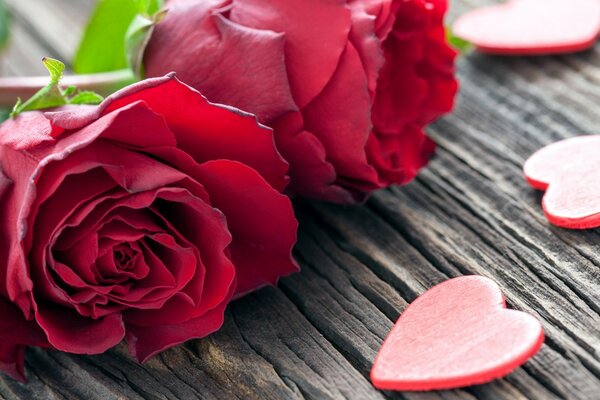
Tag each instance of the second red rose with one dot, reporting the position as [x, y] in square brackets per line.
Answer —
[348, 86]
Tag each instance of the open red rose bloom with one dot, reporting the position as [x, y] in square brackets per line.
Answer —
[139, 219]
[348, 85]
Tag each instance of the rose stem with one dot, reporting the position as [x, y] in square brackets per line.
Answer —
[24, 87]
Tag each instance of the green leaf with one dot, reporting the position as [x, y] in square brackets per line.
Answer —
[102, 47]
[69, 91]
[47, 97]
[460, 45]
[55, 68]
[4, 24]
[137, 38]
[86, 97]
[51, 95]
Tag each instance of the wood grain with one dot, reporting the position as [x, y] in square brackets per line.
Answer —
[470, 212]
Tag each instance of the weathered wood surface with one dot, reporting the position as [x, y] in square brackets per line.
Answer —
[471, 212]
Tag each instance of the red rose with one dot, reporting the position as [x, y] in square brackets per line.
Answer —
[348, 85]
[139, 219]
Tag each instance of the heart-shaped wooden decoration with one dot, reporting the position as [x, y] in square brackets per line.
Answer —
[528, 27]
[456, 334]
[569, 172]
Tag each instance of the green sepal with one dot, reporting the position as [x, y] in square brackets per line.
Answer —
[86, 97]
[47, 97]
[137, 38]
[459, 44]
[52, 95]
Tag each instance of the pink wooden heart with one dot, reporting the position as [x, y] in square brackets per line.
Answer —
[569, 172]
[523, 27]
[458, 333]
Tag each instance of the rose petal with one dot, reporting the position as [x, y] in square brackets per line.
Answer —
[399, 158]
[262, 239]
[179, 268]
[402, 91]
[110, 273]
[15, 329]
[16, 168]
[325, 39]
[343, 107]
[27, 131]
[133, 124]
[438, 67]
[81, 257]
[311, 175]
[68, 331]
[367, 44]
[226, 133]
[12, 361]
[144, 342]
[417, 82]
[15, 334]
[90, 216]
[5, 192]
[51, 216]
[226, 56]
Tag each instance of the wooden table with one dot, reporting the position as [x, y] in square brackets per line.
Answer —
[470, 212]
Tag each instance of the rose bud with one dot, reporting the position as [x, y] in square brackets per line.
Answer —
[139, 218]
[348, 86]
